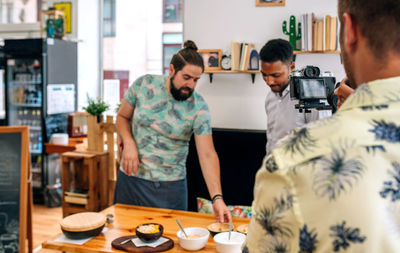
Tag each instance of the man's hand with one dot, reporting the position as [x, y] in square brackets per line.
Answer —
[221, 212]
[130, 159]
[342, 92]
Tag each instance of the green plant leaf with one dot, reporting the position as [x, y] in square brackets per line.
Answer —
[96, 108]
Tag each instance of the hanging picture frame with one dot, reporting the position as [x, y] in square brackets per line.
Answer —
[270, 2]
[66, 7]
[211, 58]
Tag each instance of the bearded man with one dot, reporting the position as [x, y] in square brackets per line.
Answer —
[155, 121]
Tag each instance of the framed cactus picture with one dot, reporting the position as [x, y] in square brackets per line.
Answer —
[270, 2]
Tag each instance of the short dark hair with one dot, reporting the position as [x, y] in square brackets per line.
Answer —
[277, 50]
[187, 55]
[379, 22]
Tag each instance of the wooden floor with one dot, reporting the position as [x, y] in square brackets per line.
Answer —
[46, 224]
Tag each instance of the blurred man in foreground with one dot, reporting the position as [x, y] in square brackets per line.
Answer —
[334, 185]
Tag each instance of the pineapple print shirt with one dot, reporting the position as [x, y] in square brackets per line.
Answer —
[334, 184]
[162, 127]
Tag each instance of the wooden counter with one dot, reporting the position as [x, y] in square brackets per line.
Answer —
[127, 217]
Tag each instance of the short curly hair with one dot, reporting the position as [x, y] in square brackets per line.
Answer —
[277, 50]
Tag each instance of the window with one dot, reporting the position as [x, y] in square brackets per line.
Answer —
[109, 18]
[172, 43]
[19, 11]
[172, 11]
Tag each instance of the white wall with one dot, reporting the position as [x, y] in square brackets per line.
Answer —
[85, 29]
[19, 31]
[89, 53]
[234, 101]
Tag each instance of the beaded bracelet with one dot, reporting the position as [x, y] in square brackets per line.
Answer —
[216, 196]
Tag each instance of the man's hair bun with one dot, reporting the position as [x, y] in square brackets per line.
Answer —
[190, 45]
[187, 55]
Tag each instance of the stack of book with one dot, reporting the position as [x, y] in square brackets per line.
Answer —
[319, 34]
[76, 197]
[240, 55]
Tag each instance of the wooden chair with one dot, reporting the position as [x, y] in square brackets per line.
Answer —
[84, 170]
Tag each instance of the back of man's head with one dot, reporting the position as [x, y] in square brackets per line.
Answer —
[379, 22]
[277, 50]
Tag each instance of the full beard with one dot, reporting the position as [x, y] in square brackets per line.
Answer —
[178, 94]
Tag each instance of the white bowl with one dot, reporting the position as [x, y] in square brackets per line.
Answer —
[59, 139]
[193, 243]
[234, 245]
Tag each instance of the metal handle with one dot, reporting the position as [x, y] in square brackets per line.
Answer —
[177, 221]
[230, 230]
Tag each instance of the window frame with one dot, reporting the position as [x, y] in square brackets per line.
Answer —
[111, 20]
[178, 12]
[168, 45]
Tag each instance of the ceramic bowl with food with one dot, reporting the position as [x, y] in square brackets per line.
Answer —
[149, 232]
[232, 245]
[217, 227]
[243, 228]
[83, 225]
[197, 238]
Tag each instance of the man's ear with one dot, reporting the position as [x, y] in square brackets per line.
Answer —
[350, 33]
[171, 70]
[292, 66]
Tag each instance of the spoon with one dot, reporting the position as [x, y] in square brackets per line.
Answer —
[230, 230]
[177, 221]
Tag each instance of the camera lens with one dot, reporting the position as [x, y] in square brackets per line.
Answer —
[311, 71]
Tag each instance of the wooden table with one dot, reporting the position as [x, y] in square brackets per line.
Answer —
[127, 217]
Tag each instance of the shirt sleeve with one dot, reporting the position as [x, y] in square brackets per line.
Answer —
[202, 122]
[312, 116]
[274, 222]
[131, 94]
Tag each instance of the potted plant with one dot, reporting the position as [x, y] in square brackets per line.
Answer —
[96, 107]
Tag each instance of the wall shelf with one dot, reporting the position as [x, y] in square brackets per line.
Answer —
[251, 72]
[317, 52]
[254, 72]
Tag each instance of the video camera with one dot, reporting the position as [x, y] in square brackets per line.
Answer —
[311, 89]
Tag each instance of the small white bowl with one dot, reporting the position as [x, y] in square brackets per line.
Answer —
[197, 243]
[59, 139]
[234, 245]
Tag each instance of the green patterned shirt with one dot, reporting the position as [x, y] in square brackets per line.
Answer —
[162, 127]
[334, 184]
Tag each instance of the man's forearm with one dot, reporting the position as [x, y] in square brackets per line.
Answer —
[124, 129]
[211, 173]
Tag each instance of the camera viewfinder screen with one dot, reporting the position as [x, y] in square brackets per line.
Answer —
[313, 88]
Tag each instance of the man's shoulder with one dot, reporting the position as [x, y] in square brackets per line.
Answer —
[307, 143]
[198, 98]
[198, 104]
[154, 79]
[271, 95]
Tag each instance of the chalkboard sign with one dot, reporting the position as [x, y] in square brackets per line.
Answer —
[14, 161]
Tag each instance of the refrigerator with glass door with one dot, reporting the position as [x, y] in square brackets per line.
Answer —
[41, 81]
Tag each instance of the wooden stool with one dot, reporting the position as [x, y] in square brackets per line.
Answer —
[84, 170]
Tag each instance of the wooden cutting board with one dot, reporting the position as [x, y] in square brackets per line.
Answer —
[130, 246]
[83, 221]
